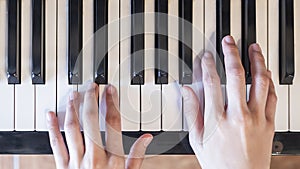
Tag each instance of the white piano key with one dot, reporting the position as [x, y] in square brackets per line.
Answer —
[210, 36]
[7, 91]
[63, 87]
[171, 97]
[129, 94]
[295, 88]
[25, 92]
[261, 31]
[210, 26]
[198, 48]
[262, 27]
[150, 92]
[87, 49]
[113, 56]
[113, 44]
[236, 28]
[235, 21]
[88, 41]
[281, 118]
[44, 104]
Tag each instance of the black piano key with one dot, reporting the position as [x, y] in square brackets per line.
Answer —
[14, 42]
[38, 42]
[185, 41]
[248, 34]
[286, 42]
[75, 42]
[222, 29]
[101, 41]
[161, 42]
[137, 42]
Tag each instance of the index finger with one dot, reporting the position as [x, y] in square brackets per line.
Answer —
[114, 144]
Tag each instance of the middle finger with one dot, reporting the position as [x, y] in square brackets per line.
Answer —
[72, 130]
[92, 137]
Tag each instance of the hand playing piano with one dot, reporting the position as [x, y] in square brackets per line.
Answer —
[238, 135]
[90, 152]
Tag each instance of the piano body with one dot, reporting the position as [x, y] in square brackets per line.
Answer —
[51, 47]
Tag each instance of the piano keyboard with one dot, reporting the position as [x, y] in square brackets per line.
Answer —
[49, 48]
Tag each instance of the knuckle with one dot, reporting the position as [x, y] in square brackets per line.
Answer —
[232, 50]
[116, 164]
[259, 57]
[273, 98]
[236, 71]
[113, 119]
[70, 125]
[211, 78]
[261, 80]
[54, 140]
[271, 127]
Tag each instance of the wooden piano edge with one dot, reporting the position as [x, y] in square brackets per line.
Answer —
[34, 142]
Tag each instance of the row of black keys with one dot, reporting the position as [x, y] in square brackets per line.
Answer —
[137, 40]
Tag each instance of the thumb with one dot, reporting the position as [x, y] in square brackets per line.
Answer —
[137, 152]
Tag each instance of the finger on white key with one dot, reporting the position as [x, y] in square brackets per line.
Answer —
[260, 80]
[114, 144]
[72, 130]
[113, 47]
[150, 92]
[171, 97]
[137, 151]
[63, 87]
[57, 143]
[235, 25]
[281, 117]
[271, 103]
[90, 121]
[212, 88]
[192, 113]
[234, 72]
[129, 94]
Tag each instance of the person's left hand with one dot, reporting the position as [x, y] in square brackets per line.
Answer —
[90, 152]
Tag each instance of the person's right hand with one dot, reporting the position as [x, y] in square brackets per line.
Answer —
[243, 133]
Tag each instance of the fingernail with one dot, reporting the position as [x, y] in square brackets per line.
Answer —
[185, 93]
[49, 116]
[256, 47]
[207, 55]
[229, 40]
[92, 86]
[73, 95]
[110, 89]
[147, 141]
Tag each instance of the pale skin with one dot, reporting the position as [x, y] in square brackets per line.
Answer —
[242, 138]
[93, 155]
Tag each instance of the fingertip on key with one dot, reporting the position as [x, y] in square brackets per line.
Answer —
[92, 87]
[207, 55]
[147, 139]
[50, 115]
[255, 47]
[73, 95]
[229, 40]
[110, 89]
